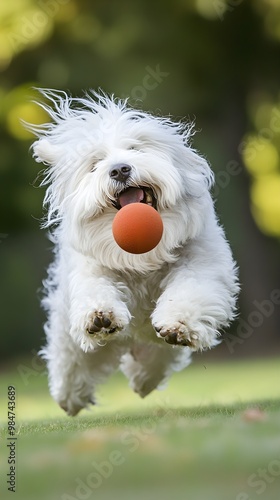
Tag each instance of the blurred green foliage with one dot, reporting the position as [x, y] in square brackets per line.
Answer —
[213, 61]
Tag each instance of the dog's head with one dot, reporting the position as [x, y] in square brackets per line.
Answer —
[102, 155]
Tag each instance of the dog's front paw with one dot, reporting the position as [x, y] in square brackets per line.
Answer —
[103, 322]
[96, 328]
[197, 337]
[178, 334]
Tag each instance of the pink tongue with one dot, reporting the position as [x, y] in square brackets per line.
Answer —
[131, 195]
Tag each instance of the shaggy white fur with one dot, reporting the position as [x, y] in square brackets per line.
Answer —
[108, 308]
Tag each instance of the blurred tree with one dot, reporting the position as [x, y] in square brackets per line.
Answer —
[218, 61]
[261, 156]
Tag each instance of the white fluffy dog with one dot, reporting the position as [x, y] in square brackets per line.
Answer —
[108, 308]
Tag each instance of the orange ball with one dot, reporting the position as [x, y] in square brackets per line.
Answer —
[137, 228]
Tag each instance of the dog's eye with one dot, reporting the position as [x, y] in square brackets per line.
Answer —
[134, 147]
[93, 166]
[94, 163]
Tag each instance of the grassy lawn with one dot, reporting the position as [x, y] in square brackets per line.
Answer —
[213, 434]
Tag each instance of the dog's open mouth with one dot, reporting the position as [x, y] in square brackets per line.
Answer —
[139, 194]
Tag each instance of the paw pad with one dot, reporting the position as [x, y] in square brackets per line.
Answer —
[101, 323]
[178, 335]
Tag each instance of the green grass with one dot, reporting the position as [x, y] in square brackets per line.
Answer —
[197, 440]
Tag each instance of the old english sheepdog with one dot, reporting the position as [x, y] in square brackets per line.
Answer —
[108, 308]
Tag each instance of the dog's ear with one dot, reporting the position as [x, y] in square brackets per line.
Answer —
[50, 154]
[198, 174]
[205, 171]
[46, 152]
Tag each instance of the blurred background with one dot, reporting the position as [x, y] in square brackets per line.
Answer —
[212, 61]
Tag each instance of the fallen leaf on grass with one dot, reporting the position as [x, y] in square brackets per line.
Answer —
[254, 415]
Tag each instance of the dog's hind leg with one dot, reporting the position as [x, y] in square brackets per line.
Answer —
[73, 373]
[148, 366]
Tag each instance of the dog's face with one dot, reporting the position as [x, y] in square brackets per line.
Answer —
[103, 155]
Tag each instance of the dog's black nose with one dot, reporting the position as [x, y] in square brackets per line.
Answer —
[120, 172]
